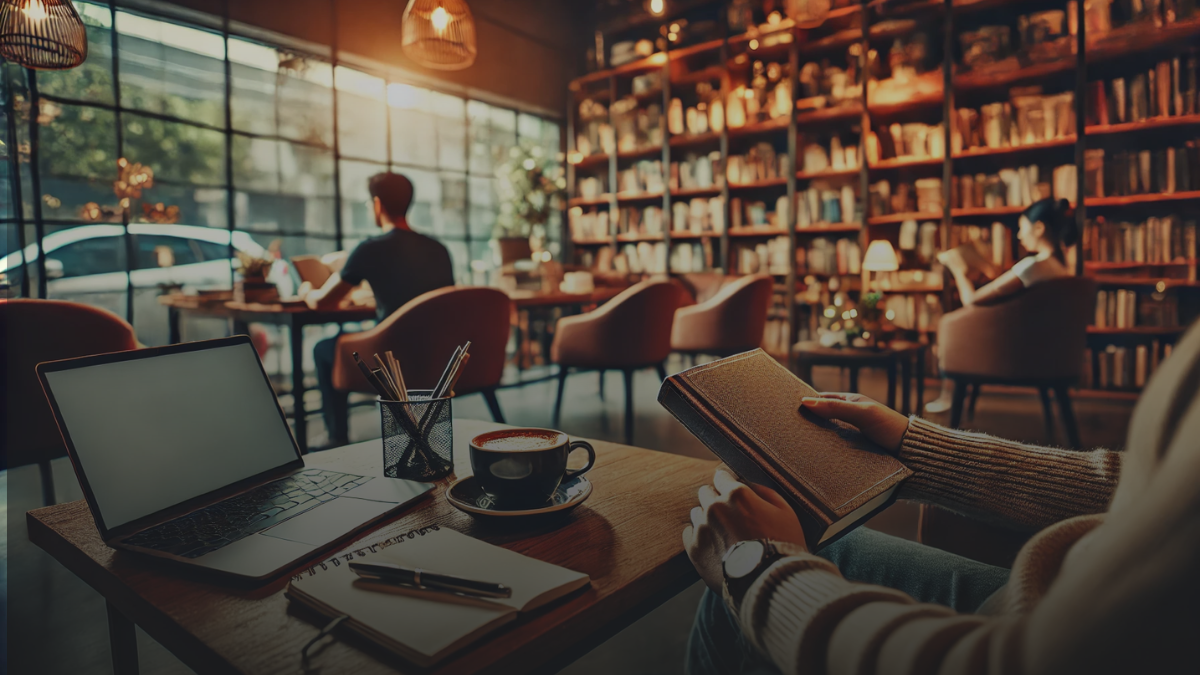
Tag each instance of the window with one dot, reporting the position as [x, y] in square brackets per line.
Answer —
[156, 250]
[260, 154]
[95, 255]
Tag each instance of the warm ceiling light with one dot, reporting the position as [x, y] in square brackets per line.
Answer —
[807, 13]
[439, 34]
[658, 7]
[42, 34]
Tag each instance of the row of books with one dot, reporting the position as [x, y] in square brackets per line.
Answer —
[829, 155]
[1134, 172]
[644, 177]
[770, 257]
[691, 256]
[830, 257]
[994, 240]
[1154, 240]
[923, 195]
[642, 258]
[1166, 90]
[588, 225]
[636, 126]
[913, 311]
[1020, 186]
[1025, 119]
[760, 162]
[1126, 308]
[698, 216]
[914, 140]
[697, 172]
[1123, 367]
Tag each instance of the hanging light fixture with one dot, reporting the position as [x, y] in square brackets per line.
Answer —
[439, 34]
[42, 34]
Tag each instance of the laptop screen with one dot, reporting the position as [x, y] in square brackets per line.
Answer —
[153, 432]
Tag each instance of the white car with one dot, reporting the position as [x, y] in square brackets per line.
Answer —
[86, 264]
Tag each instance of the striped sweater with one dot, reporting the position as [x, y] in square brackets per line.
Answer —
[1109, 584]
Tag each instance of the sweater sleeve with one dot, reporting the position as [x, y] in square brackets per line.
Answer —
[1004, 482]
[810, 620]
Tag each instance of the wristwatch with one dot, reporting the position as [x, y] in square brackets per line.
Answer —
[742, 564]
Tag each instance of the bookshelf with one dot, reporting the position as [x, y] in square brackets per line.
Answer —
[976, 175]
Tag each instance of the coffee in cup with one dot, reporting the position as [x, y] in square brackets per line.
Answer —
[525, 466]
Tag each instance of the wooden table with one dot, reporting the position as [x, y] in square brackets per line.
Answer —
[293, 316]
[626, 537]
[903, 356]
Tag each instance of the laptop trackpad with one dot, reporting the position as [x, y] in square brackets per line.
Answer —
[328, 521]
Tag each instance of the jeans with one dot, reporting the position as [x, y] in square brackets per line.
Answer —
[335, 405]
[717, 645]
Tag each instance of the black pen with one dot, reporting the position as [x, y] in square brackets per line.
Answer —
[424, 579]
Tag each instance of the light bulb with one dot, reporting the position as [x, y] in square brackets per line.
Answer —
[35, 10]
[440, 18]
[657, 7]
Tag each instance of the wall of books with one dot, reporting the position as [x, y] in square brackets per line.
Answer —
[724, 136]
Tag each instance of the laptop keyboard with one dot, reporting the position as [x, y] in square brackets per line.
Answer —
[225, 522]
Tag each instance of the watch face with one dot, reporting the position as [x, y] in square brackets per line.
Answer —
[743, 558]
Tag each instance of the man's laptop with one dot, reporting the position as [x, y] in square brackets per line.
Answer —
[184, 453]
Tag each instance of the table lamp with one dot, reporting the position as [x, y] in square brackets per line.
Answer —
[880, 257]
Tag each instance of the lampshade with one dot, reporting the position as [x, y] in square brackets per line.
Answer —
[42, 34]
[881, 257]
[439, 34]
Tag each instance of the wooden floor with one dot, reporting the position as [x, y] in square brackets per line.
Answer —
[56, 624]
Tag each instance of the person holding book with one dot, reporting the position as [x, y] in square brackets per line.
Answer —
[398, 264]
[1107, 584]
[1045, 230]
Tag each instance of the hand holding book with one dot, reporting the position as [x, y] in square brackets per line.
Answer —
[880, 424]
[731, 511]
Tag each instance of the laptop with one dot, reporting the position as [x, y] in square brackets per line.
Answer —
[183, 453]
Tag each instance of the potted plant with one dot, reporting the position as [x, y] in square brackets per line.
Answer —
[528, 195]
[253, 286]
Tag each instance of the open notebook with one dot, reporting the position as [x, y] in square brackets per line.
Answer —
[425, 627]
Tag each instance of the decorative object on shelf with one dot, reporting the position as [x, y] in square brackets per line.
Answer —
[439, 34]
[528, 195]
[42, 34]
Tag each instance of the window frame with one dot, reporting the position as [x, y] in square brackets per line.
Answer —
[27, 85]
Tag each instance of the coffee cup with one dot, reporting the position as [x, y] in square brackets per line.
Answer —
[525, 466]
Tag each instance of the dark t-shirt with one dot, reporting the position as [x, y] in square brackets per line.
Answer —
[399, 265]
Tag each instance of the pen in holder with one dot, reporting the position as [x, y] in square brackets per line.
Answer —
[418, 437]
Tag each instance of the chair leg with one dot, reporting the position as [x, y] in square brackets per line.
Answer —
[628, 407]
[1063, 393]
[562, 384]
[662, 370]
[600, 374]
[974, 399]
[493, 405]
[956, 403]
[1047, 413]
[47, 483]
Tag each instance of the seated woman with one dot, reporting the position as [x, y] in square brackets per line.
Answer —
[1045, 229]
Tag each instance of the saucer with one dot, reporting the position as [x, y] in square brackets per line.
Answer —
[465, 494]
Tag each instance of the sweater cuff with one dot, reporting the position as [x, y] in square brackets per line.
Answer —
[791, 610]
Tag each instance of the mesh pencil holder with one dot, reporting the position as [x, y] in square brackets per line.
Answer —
[418, 437]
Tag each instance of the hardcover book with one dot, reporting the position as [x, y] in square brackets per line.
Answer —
[746, 409]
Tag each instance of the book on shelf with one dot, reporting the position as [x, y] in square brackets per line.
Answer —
[830, 257]
[588, 225]
[1136, 172]
[698, 215]
[1168, 89]
[746, 409]
[1155, 240]
[770, 257]
[1124, 366]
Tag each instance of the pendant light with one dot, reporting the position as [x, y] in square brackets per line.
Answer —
[42, 34]
[439, 34]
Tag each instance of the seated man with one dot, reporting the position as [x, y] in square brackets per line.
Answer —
[399, 265]
[1108, 584]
